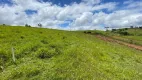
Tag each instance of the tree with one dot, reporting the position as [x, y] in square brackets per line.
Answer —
[39, 25]
[26, 25]
[113, 30]
[140, 27]
[131, 27]
[107, 28]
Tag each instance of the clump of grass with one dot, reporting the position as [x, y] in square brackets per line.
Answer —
[58, 47]
[44, 41]
[16, 75]
[22, 37]
[43, 53]
[33, 73]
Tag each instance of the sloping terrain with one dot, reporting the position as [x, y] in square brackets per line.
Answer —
[119, 42]
[47, 54]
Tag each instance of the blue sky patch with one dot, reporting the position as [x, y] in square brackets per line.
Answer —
[30, 12]
[61, 2]
[103, 10]
[64, 25]
[8, 2]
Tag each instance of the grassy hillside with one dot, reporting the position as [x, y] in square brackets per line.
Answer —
[130, 35]
[59, 55]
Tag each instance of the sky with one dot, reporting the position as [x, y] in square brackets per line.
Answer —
[72, 14]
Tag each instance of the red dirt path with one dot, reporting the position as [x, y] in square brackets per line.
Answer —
[119, 42]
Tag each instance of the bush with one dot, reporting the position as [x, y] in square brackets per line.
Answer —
[140, 27]
[87, 32]
[3, 24]
[124, 33]
[126, 28]
[113, 30]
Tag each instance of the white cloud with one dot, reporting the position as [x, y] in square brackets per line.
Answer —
[91, 2]
[110, 6]
[81, 14]
[84, 19]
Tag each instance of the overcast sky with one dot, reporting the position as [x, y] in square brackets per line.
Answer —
[72, 14]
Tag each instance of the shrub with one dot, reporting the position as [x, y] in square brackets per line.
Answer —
[126, 28]
[3, 24]
[113, 30]
[87, 32]
[124, 33]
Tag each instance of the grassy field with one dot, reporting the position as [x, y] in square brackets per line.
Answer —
[47, 54]
[134, 35]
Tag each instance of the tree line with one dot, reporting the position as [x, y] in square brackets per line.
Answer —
[39, 25]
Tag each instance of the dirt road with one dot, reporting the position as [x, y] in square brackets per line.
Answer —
[119, 42]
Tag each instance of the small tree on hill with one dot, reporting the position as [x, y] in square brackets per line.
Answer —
[107, 28]
[39, 25]
[26, 25]
[131, 27]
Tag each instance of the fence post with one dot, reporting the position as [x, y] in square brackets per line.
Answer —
[2, 66]
[13, 55]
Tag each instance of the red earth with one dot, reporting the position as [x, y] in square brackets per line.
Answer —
[119, 42]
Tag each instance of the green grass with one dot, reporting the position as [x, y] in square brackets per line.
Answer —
[134, 37]
[47, 54]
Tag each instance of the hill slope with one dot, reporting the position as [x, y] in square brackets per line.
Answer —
[129, 35]
[54, 54]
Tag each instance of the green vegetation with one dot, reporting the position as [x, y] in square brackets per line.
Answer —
[129, 35]
[47, 54]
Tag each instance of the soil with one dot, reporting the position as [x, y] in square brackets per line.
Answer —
[119, 42]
